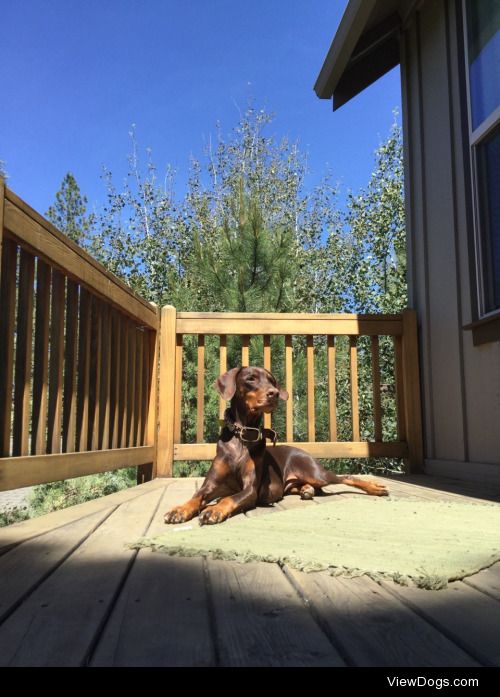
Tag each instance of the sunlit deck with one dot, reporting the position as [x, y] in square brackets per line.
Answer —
[73, 594]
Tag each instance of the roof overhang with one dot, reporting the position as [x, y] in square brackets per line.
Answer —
[364, 48]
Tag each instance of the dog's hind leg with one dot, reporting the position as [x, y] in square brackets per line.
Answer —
[317, 477]
[371, 488]
[305, 491]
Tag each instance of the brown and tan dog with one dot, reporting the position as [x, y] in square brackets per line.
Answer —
[244, 472]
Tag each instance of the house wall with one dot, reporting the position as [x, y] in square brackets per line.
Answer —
[460, 382]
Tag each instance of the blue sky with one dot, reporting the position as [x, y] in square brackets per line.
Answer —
[76, 74]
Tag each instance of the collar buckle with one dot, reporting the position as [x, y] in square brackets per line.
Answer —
[242, 432]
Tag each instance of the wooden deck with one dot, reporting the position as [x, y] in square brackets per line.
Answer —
[72, 594]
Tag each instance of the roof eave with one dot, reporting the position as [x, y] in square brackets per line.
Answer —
[347, 36]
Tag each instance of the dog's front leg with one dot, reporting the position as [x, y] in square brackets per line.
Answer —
[213, 487]
[242, 501]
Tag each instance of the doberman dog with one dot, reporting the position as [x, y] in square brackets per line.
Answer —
[244, 472]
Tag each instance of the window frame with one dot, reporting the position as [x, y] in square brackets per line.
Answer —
[476, 137]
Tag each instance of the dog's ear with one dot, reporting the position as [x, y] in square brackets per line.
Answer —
[283, 394]
[226, 384]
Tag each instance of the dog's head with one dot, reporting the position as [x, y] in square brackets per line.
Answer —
[256, 388]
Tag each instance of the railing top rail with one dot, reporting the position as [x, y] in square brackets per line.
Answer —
[278, 324]
[286, 315]
[41, 237]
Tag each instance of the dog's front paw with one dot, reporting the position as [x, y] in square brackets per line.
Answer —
[213, 514]
[180, 514]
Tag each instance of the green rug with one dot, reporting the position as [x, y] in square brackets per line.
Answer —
[422, 543]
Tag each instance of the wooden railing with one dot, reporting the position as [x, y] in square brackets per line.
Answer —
[92, 375]
[78, 358]
[400, 329]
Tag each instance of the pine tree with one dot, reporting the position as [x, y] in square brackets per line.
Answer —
[69, 212]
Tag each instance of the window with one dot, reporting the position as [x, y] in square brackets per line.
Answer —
[483, 58]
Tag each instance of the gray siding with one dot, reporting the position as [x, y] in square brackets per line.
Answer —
[460, 382]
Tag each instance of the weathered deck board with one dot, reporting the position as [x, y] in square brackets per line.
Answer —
[77, 595]
[57, 624]
[261, 621]
[27, 565]
[455, 487]
[402, 488]
[464, 614]
[161, 617]
[373, 627]
[487, 581]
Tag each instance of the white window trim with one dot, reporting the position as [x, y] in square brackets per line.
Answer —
[486, 127]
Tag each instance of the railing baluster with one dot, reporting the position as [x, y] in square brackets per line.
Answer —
[222, 370]
[84, 346]
[152, 426]
[377, 407]
[145, 472]
[267, 366]
[105, 405]
[289, 388]
[2, 210]
[41, 364]
[332, 388]
[69, 402]
[95, 375]
[200, 389]
[124, 382]
[22, 380]
[138, 387]
[178, 388]
[7, 332]
[132, 350]
[116, 342]
[146, 360]
[245, 350]
[400, 390]
[56, 363]
[311, 419]
[353, 354]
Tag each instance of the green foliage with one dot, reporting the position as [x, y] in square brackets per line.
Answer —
[376, 222]
[70, 492]
[191, 469]
[69, 212]
[14, 515]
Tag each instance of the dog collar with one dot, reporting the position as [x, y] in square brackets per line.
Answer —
[248, 434]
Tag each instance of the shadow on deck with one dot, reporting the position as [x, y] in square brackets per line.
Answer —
[73, 594]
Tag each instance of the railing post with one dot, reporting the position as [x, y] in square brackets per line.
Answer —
[411, 381]
[165, 450]
[2, 206]
[147, 472]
